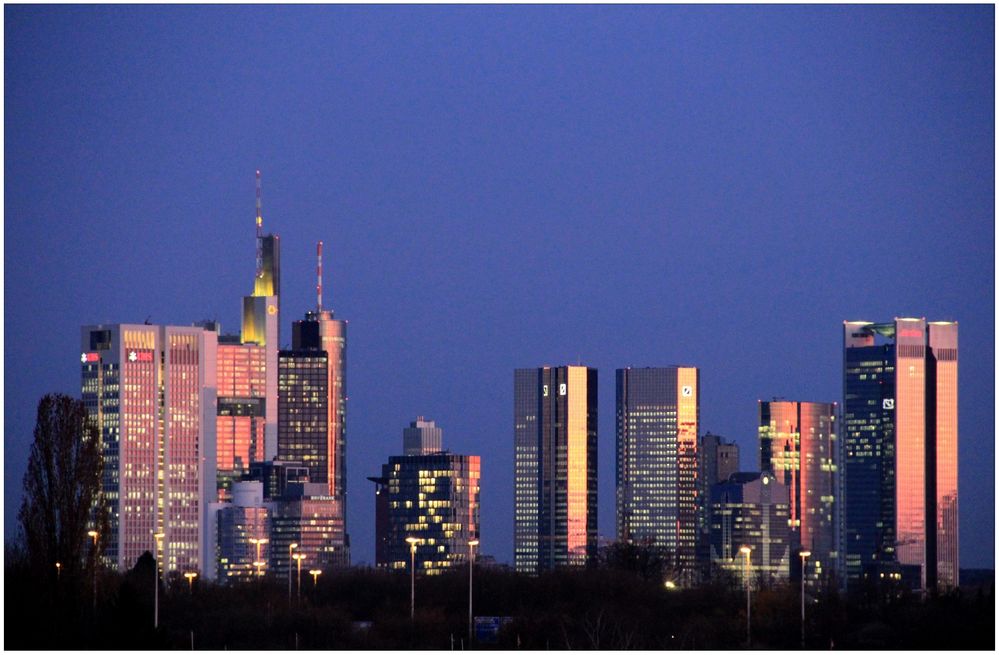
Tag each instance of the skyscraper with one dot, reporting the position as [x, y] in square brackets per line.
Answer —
[433, 498]
[750, 509]
[303, 401]
[657, 459]
[798, 445]
[900, 448]
[241, 411]
[262, 320]
[422, 437]
[152, 391]
[719, 460]
[319, 333]
[555, 485]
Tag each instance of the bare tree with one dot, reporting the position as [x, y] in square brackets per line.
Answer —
[62, 488]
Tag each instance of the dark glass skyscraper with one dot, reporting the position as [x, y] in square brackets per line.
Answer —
[555, 467]
[433, 498]
[900, 448]
[303, 403]
[657, 459]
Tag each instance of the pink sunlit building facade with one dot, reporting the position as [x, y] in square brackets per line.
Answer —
[798, 445]
[152, 391]
[900, 441]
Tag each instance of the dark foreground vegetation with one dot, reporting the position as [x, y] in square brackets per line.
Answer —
[603, 608]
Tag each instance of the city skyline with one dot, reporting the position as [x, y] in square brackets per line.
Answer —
[449, 272]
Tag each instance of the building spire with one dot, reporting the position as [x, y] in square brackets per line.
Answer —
[260, 233]
[319, 278]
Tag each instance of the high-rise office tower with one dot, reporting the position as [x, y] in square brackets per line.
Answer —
[900, 448]
[433, 498]
[320, 336]
[719, 460]
[243, 537]
[152, 391]
[303, 401]
[241, 411]
[657, 460]
[752, 510]
[422, 437]
[306, 515]
[798, 445]
[555, 485]
[261, 322]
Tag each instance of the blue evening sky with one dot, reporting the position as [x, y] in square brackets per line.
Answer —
[503, 187]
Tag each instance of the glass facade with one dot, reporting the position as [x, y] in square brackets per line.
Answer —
[302, 411]
[900, 447]
[422, 437]
[241, 410]
[942, 415]
[435, 499]
[151, 390]
[244, 534]
[751, 509]
[658, 464]
[798, 445]
[555, 486]
[314, 522]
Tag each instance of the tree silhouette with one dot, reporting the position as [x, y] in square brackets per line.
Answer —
[61, 489]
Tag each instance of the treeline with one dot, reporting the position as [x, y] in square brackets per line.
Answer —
[601, 608]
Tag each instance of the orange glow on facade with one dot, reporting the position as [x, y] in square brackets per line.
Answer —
[943, 362]
[555, 502]
[240, 421]
[797, 442]
[910, 443]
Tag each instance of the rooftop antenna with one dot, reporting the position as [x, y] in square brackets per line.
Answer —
[260, 233]
[319, 277]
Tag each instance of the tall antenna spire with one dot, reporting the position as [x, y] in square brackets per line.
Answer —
[260, 233]
[319, 278]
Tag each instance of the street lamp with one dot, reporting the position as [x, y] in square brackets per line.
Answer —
[745, 550]
[257, 542]
[58, 571]
[299, 557]
[412, 541]
[291, 547]
[260, 565]
[93, 535]
[191, 575]
[803, 555]
[315, 573]
[156, 588]
[471, 563]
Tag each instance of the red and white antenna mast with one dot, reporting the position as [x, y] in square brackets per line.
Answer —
[260, 233]
[319, 278]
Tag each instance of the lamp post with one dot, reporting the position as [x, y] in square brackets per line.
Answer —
[58, 572]
[93, 535]
[803, 555]
[156, 588]
[257, 542]
[315, 573]
[471, 564]
[412, 541]
[298, 558]
[190, 575]
[291, 547]
[260, 565]
[745, 550]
